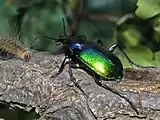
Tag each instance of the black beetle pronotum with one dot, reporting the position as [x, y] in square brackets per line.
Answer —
[95, 60]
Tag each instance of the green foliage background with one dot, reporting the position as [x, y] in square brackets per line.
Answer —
[134, 24]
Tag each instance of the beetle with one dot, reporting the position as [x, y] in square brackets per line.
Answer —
[95, 60]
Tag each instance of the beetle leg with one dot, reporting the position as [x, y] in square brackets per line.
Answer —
[78, 86]
[74, 80]
[70, 73]
[112, 48]
[117, 93]
[61, 68]
[131, 62]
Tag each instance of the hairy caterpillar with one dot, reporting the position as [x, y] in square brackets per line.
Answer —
[14, 47]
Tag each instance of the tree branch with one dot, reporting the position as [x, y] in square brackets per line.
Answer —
[28, 85]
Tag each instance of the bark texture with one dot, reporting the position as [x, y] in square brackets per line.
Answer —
[29, 86]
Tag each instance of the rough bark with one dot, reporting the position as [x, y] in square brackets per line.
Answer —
[28, 86]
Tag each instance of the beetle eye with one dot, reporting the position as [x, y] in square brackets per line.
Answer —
[77, 46]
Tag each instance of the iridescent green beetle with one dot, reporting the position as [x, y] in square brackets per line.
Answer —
[104, 63]
[95, 60]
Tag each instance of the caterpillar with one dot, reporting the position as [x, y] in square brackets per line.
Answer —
[14, 47]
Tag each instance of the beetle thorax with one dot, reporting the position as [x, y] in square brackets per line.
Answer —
[76, 48]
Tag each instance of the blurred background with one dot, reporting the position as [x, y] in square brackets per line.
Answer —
[133, 24]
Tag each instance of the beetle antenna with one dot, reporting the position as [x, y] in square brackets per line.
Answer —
[46, 37]
[64, 27]
[51, 38]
